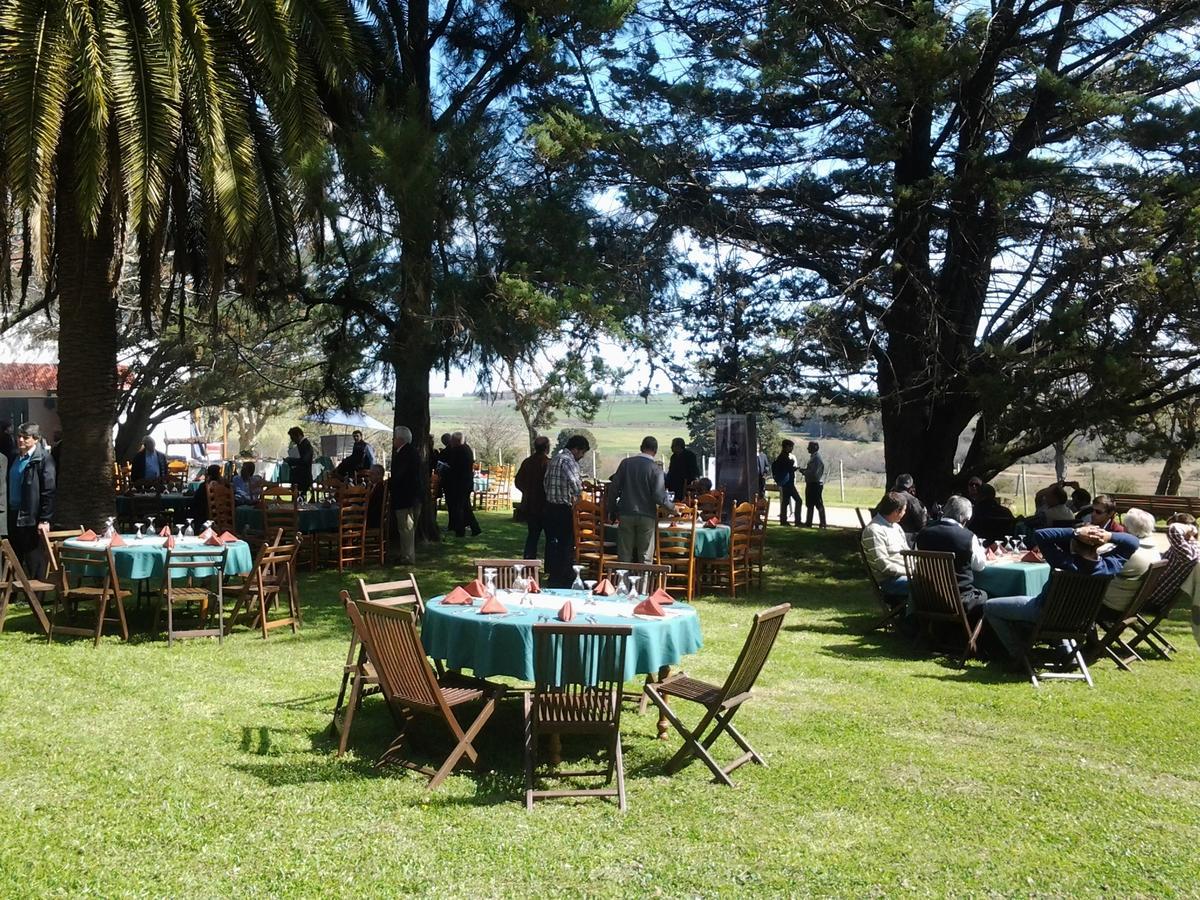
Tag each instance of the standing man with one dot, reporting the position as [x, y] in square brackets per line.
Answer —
[682, 470]
[636, 494]
[783, 470]
[406, 492]
[150, 464]
[531, 482]
[300, 461]
[814, 484]
[8, 445]
[459, 482]
[31, 483]
[564, 485]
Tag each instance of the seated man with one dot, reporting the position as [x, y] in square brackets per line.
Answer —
[246, 488]
[1081, 502]
[991, 520]
[883, 540]
[1104, 514]
[1125, 583]
[949, 534]
[1052, 508]
[1182, 554]
[1087, 550]
[915, 516]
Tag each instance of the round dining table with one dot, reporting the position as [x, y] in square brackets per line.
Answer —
[502, 643]
[1010, 578]
[712, 541]
[146, 558]
[311, 517]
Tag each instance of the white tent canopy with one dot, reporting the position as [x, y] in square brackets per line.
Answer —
[348, 419]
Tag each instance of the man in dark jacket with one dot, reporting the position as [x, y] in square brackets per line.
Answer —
[361, 457]
[949, 534]
[459, 482]
[783, 470]
[31, 484]
[406, 492]
[150, 464]
[915, 516]
[530, 481]
[682, 469]
[300, 460]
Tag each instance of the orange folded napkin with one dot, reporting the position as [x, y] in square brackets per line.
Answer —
[228, 538]
[166, 531]
[566, 613]
[648, 607]
[604, 589]
[457, 597]
[1032, 556]
[712, 522]
[212, 540]
[88, 535]
[206, 534]
[662, 598]
[492, 605]
[533, 586]
[476, 589]
[990, 555]
[170, 542]
[117, 540]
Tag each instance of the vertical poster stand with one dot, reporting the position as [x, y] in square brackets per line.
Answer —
[737, 458]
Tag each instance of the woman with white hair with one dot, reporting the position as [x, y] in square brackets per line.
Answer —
[1125, 583]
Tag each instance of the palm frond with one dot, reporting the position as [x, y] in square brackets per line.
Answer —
[34, 84]
[324, 28]
[266, 31]
[91, 103]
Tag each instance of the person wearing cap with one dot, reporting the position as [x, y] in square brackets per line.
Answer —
[300, 461]
[1088, 550]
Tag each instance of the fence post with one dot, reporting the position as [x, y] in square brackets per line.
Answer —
[1024, 491]
[842, 480]
[1093, 481]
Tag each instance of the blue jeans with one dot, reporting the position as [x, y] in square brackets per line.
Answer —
[896, 586]
[1012, 618]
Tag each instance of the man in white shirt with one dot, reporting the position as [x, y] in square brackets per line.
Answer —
[883, 541]
[814, 484]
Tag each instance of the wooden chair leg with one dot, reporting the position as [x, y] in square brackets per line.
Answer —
[4, 598]
[618, 761]
[530, 750]
[463, 747]
[101, 607]
[348, 720]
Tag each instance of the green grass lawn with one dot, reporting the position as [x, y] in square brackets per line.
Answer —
[198, 770]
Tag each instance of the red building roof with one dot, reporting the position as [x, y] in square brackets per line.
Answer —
[32, 377]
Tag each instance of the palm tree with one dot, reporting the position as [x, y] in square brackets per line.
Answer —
[181, 128]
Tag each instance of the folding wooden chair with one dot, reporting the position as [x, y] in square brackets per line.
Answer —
[893, 606]
[186, 563]
[409, 685]
[933, 587]
[675, 548]
[578, 674]
[506, 570]
[1068, 619]
[13, 579]
[1149, 618]
[1117, 624]
[357, 672]
[272, 577]
[720, 702]
[84, 565]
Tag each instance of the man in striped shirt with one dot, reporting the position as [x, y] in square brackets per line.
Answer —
[564, 485]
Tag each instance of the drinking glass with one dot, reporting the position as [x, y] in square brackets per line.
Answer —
[489, 582]
[139, 526]
[189, 532]
[589, 586]
[109, 530]
[179, 530]
[207, 524]
[150, 526]
[520, 585]
[578, 584]
[622, 582]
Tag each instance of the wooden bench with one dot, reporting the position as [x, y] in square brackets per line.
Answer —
[1159, 506]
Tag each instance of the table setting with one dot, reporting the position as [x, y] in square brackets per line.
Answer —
[1012, 569]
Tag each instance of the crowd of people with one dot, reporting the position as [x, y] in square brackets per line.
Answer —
[1073, 532]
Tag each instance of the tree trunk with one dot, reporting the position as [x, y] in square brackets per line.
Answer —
[413, 365]
[923, 444]
[1170, 480]
[86, 269]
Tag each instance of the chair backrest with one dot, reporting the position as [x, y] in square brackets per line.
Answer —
[741, 529]
[572, 662]
[711, 504]
[932, 583]
[352, 514]
[274, 494]
[1071, 605]
[761, 518]
[220, 506]
[875, 585]
[78, 559]
[862, 518]
[184, 562]
[1151, 582]
[763, 631]
[658, 573]
[506, 570]
[404, 592]
[390, 635]
[51, 541]
[589, 526]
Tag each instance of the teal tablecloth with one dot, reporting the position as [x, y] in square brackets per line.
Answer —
[711, 543]
[1013, 579]
[147, 558]
[312, 518]
[503, 644]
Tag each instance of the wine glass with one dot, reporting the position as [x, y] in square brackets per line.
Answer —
[139, 526]
[150, 526]
[489, 582]
[520, 584]
[179, 530]
[589, 586]
[645, 584]
[622, 582]
[207, 524]
[190, 532]
[109, 529]
[577, 584]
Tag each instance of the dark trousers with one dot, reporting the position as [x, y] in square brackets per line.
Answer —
[459, 512]
[26, 545]
[786, 493]
[813, 500]
[536, 525]
[560, 545]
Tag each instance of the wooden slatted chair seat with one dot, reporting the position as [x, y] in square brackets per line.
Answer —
[1068, 617]
[410, 686]
[578, 674]
[720, 702]
[933, 588]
